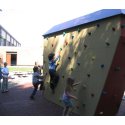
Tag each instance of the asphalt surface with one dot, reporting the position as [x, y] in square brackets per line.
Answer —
[16, 102]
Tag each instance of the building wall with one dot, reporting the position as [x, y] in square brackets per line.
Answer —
[25, 56]
[6, 39]
[87, 53]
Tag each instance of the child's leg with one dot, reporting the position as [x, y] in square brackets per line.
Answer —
[42, 86]
[3, 85]
[6, 84]
[34, 91]
[0, 84]
[65, 111]
[56, 80]
[70, 110]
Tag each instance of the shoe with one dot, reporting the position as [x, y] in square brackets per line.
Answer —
[31, 97]
[3, 91]
[7, 90]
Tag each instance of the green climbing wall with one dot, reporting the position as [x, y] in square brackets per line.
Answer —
[86, 54]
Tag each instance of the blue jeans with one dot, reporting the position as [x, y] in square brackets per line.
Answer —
[36, 87]
[5, 84]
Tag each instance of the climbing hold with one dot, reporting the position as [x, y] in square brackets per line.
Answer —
[66, 43]
[78, 30]
[123, 26]
[98, 25]
[113, 29]
[64, 33]
[117, 68]
[104, 92]
[93, 58]
[83, 105]
[100, 113]
[89, 33]
[77, 106]
[72, 36]
[69, 58]
[60, 49]
[85, 46]
[44, 62]
[92, 95]
[60, 99]
[107, 43]
[75, 53]
[84, 86]
[78, 64]
[52, 45]
[63, 76]
[102, 66]
[88, 75]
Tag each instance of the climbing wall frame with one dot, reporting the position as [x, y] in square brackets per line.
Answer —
[88, 53]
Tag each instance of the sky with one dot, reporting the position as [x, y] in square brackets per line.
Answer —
[28, 20]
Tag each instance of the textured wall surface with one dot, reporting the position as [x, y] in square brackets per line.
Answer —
[87, 53]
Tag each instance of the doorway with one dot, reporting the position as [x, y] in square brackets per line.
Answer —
[11, 58]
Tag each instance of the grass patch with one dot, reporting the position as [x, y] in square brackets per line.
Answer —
[20, 69]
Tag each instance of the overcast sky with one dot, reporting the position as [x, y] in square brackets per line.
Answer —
[27, 20]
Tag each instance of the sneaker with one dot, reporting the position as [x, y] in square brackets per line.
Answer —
[6, 90]
[3, 91]
[31, 97]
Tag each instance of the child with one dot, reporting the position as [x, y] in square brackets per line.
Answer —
[54, 77]
[67, 96]
[5, 73]
[0, 75]
[35, 80]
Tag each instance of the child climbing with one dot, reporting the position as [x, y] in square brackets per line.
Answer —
[67, 96]
[36, 81]
[54, 77]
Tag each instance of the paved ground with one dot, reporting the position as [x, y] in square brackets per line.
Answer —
[17, 103]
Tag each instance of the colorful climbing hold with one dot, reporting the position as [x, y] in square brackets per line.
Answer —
[60, 49]
[85, 46]
[113, 29]
[93, 58]
[69, 58]
[66, 43]
[107, 43]
[78, 64]
[63, 76]
[98, 25]
[117, 68]
[78, 30]
[88, 75]
[72, 36]
[102, 66]
[64, 33]
[89, 33]
[92, 95]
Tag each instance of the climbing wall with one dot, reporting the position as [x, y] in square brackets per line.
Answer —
[87, 54]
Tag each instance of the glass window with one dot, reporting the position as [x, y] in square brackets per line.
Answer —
[8, 37]
[3, 34]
